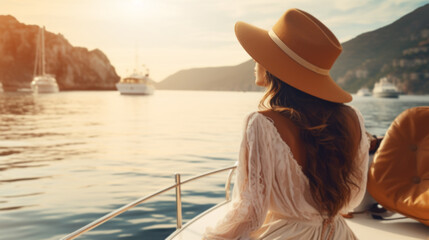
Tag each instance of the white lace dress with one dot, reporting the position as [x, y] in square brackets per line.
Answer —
[272, 199]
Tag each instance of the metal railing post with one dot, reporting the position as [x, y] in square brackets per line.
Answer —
[178, 201]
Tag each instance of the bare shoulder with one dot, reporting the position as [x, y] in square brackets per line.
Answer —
[283, 124]
[266, 112]
[289, 133]
[275, 116]
[270, 114]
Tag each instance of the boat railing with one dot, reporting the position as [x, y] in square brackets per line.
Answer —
[176, 186]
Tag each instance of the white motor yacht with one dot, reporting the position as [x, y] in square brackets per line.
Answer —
[385, 89]
[42, 82]
[136, 84]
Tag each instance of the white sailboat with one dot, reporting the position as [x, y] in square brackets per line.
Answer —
[42, 82]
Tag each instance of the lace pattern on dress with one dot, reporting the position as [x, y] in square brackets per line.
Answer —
[251, 193]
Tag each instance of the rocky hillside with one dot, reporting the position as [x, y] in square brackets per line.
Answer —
[75, 68]
[230, 78]
[399, 50]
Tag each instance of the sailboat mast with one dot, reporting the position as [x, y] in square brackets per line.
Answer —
[37, 58]
[43, 51]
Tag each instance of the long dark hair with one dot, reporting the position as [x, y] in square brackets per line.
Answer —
[328, 131]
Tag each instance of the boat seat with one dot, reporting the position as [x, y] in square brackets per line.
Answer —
[399, 175]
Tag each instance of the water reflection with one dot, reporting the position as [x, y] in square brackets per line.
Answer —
[18, 104]
[15, 208]
[21, 179]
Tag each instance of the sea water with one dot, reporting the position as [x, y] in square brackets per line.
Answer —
[67, 159]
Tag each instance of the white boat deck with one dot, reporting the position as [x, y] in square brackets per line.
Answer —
[362, 225]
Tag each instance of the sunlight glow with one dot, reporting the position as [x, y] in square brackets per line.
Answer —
[136, 8]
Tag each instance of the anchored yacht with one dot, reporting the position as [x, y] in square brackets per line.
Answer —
[385, 89]
[136, 84]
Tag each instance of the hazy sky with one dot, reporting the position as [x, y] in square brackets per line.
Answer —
[170, 35]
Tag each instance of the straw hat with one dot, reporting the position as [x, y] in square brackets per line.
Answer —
[298, 50]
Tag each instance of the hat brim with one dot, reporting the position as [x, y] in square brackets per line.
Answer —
[259, 45]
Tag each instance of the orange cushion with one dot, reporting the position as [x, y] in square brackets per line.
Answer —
[399, 176]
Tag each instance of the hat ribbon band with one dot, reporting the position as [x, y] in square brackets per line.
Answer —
[301, 61]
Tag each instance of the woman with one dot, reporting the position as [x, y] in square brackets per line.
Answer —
[304, 156]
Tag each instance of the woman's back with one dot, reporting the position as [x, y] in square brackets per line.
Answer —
[290, 132]
[283, 151]
[272, 190]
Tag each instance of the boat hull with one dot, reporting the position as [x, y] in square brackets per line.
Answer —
[135, 89]
[44, 84]
[386, 94]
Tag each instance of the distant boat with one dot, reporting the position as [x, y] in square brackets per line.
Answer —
[385, 89]
[136, 84]
[364, 92]
[42, 82]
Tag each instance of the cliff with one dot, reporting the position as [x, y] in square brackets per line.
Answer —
[75, 68]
